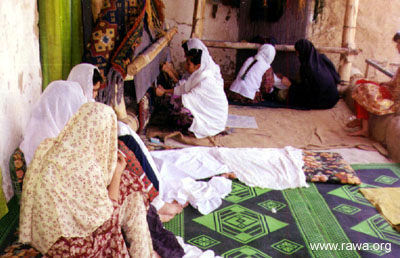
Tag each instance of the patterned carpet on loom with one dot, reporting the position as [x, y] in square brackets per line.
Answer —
[301, 222]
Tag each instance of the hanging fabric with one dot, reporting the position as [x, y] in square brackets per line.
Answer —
[267, 10]
[318, 8]
[61, 38]
[116, 33]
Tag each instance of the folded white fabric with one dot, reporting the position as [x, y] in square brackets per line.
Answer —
[263, 167]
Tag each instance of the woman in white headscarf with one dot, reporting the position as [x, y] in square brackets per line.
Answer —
[89, 78]
[199, 102]
[57, 104]
[255, 78]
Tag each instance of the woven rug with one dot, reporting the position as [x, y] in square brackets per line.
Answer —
[116, 34]
[324, 220]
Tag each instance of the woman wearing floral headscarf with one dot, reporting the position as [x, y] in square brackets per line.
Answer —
[57, 104]
[77, 198]
[198, 104]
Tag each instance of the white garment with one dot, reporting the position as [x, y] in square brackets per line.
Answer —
[83, 74]
[58, 103]
[250, 84]
[203, 94]
[268, 168]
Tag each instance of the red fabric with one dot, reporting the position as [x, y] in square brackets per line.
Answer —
[133, 166]
[361, 112]
[267, 82]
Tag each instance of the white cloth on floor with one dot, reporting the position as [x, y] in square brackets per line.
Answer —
[268, 168]
[203, 196]
[195, 252]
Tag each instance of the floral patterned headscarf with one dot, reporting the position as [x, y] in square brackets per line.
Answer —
[65, 188]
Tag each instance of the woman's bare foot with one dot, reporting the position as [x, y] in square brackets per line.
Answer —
[155, 255]
[353, 123]
[170, 209]
[165, 218]
[229, 175]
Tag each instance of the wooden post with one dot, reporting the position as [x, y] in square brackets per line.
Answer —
[348, 39]
[198, 19]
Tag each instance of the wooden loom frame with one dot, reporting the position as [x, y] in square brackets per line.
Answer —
[347, 51]
[139, 63]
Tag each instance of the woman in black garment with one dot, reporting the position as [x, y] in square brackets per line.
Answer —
[316, 87]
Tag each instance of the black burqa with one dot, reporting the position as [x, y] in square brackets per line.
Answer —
[317, 85]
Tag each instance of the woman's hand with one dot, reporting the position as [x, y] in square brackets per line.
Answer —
[121, 163]
[286, 81]
[113, 188]
[160, 91]
[167, 67]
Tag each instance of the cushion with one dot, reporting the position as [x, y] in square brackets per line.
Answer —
[328, 167]
[21, 250]
[17, 171]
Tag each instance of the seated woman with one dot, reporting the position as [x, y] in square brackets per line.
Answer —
[197, 105]
[316, 87]
[76, 205]
[379, 99]
[256, 80]
[57, 104]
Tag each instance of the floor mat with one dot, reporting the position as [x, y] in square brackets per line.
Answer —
[324, 220]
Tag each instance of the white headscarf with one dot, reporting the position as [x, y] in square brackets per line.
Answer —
[203, 94]
[58, 103]
[248, 86]
[83, 74]
[207, 65]
[65, 188]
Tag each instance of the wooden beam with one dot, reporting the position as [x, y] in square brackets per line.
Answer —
[377, 67]
[145, 58]
[348, 39]
[247, 45]
[198, 19]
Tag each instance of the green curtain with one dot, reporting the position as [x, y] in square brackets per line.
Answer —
[3, 201]
[61, 38]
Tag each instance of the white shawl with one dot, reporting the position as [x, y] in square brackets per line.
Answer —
[58, 103]
[83, 74]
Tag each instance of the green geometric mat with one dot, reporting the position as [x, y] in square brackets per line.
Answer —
[240, 223]
[323, 220]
